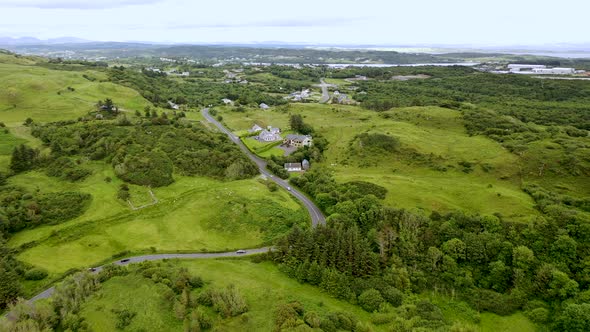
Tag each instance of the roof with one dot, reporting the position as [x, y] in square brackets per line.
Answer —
[297, 137]
[293, 165]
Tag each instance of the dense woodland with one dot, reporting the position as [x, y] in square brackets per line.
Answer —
[493, 264]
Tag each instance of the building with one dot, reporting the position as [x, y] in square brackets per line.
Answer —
[227, 101]
[173, 105]
[255, 128]
[293, 167]
[264, 106]
[554, 71]
[269, 136]
[305, 164]
[298, 140]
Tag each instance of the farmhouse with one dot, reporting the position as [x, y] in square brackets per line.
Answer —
[297, 140]
[293, 167]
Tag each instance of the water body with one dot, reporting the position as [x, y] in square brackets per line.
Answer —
[374, 65]
[384, 65]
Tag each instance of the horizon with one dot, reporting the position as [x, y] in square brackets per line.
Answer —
[454, 24]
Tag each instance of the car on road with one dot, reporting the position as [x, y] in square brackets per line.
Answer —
[125, 260]
[241, 251]
[288, 188]
[92, 269]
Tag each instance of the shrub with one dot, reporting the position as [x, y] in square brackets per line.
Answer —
[229, 302]
[393, 296]
[370, 300]
[36, 274]
[124, 318]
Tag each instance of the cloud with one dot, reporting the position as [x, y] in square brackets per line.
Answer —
[75, 4]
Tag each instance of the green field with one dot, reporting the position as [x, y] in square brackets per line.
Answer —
[42, 94]
[427, 131]
[263, 149]
[263, 287]
[193, 214]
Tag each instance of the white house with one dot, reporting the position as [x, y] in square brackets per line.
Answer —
[264, 106]
[255, 128]
[298, 140]
[227, 101]
[293, 167]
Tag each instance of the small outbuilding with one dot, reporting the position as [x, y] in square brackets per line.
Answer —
[264, 106]
[305, 164]
[293, 167]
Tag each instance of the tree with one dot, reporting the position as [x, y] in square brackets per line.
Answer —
[296, 122]
[23, 158]
[454, 248]
[9, 285]
[370, 300]
[523, 258]
[574, 318]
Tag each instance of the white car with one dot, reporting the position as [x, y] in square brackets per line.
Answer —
[241, 251]
[288, 188]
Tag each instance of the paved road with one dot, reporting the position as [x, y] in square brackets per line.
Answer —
[137, 259]
[325, 94]
[315, 213]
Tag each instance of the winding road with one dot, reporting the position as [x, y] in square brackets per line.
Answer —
[315, 213]
[138, 259]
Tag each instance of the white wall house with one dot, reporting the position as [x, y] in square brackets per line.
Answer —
[293, 167]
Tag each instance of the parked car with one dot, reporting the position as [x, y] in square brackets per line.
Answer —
[241, 251]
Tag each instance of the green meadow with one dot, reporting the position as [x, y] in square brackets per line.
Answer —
[193, 214]
[41, 93]
[263, 287]
[429, 133]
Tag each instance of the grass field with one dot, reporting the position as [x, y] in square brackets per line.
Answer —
[42, 94]
[263, 149]
[7, 143]
[263, 287]
[193, 214]
[428, 131]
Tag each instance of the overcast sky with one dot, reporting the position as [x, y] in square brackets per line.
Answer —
[387, 22]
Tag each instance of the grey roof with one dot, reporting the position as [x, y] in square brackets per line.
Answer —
[293, 165]
[297, 137]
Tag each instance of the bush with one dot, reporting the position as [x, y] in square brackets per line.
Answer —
[229, 302]
[63, 206]
[36, 274]
[124, 318]
[393, 296]
[370, 300]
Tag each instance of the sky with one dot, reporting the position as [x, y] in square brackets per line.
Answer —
[344, 22]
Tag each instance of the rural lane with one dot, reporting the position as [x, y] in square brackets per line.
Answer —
[317, 217]
[325, 94]
[138, 259]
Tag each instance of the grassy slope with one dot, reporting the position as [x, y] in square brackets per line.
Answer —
[262, 285]
[194, 214]
[7, 144]
[426, 130]
[34, 92]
